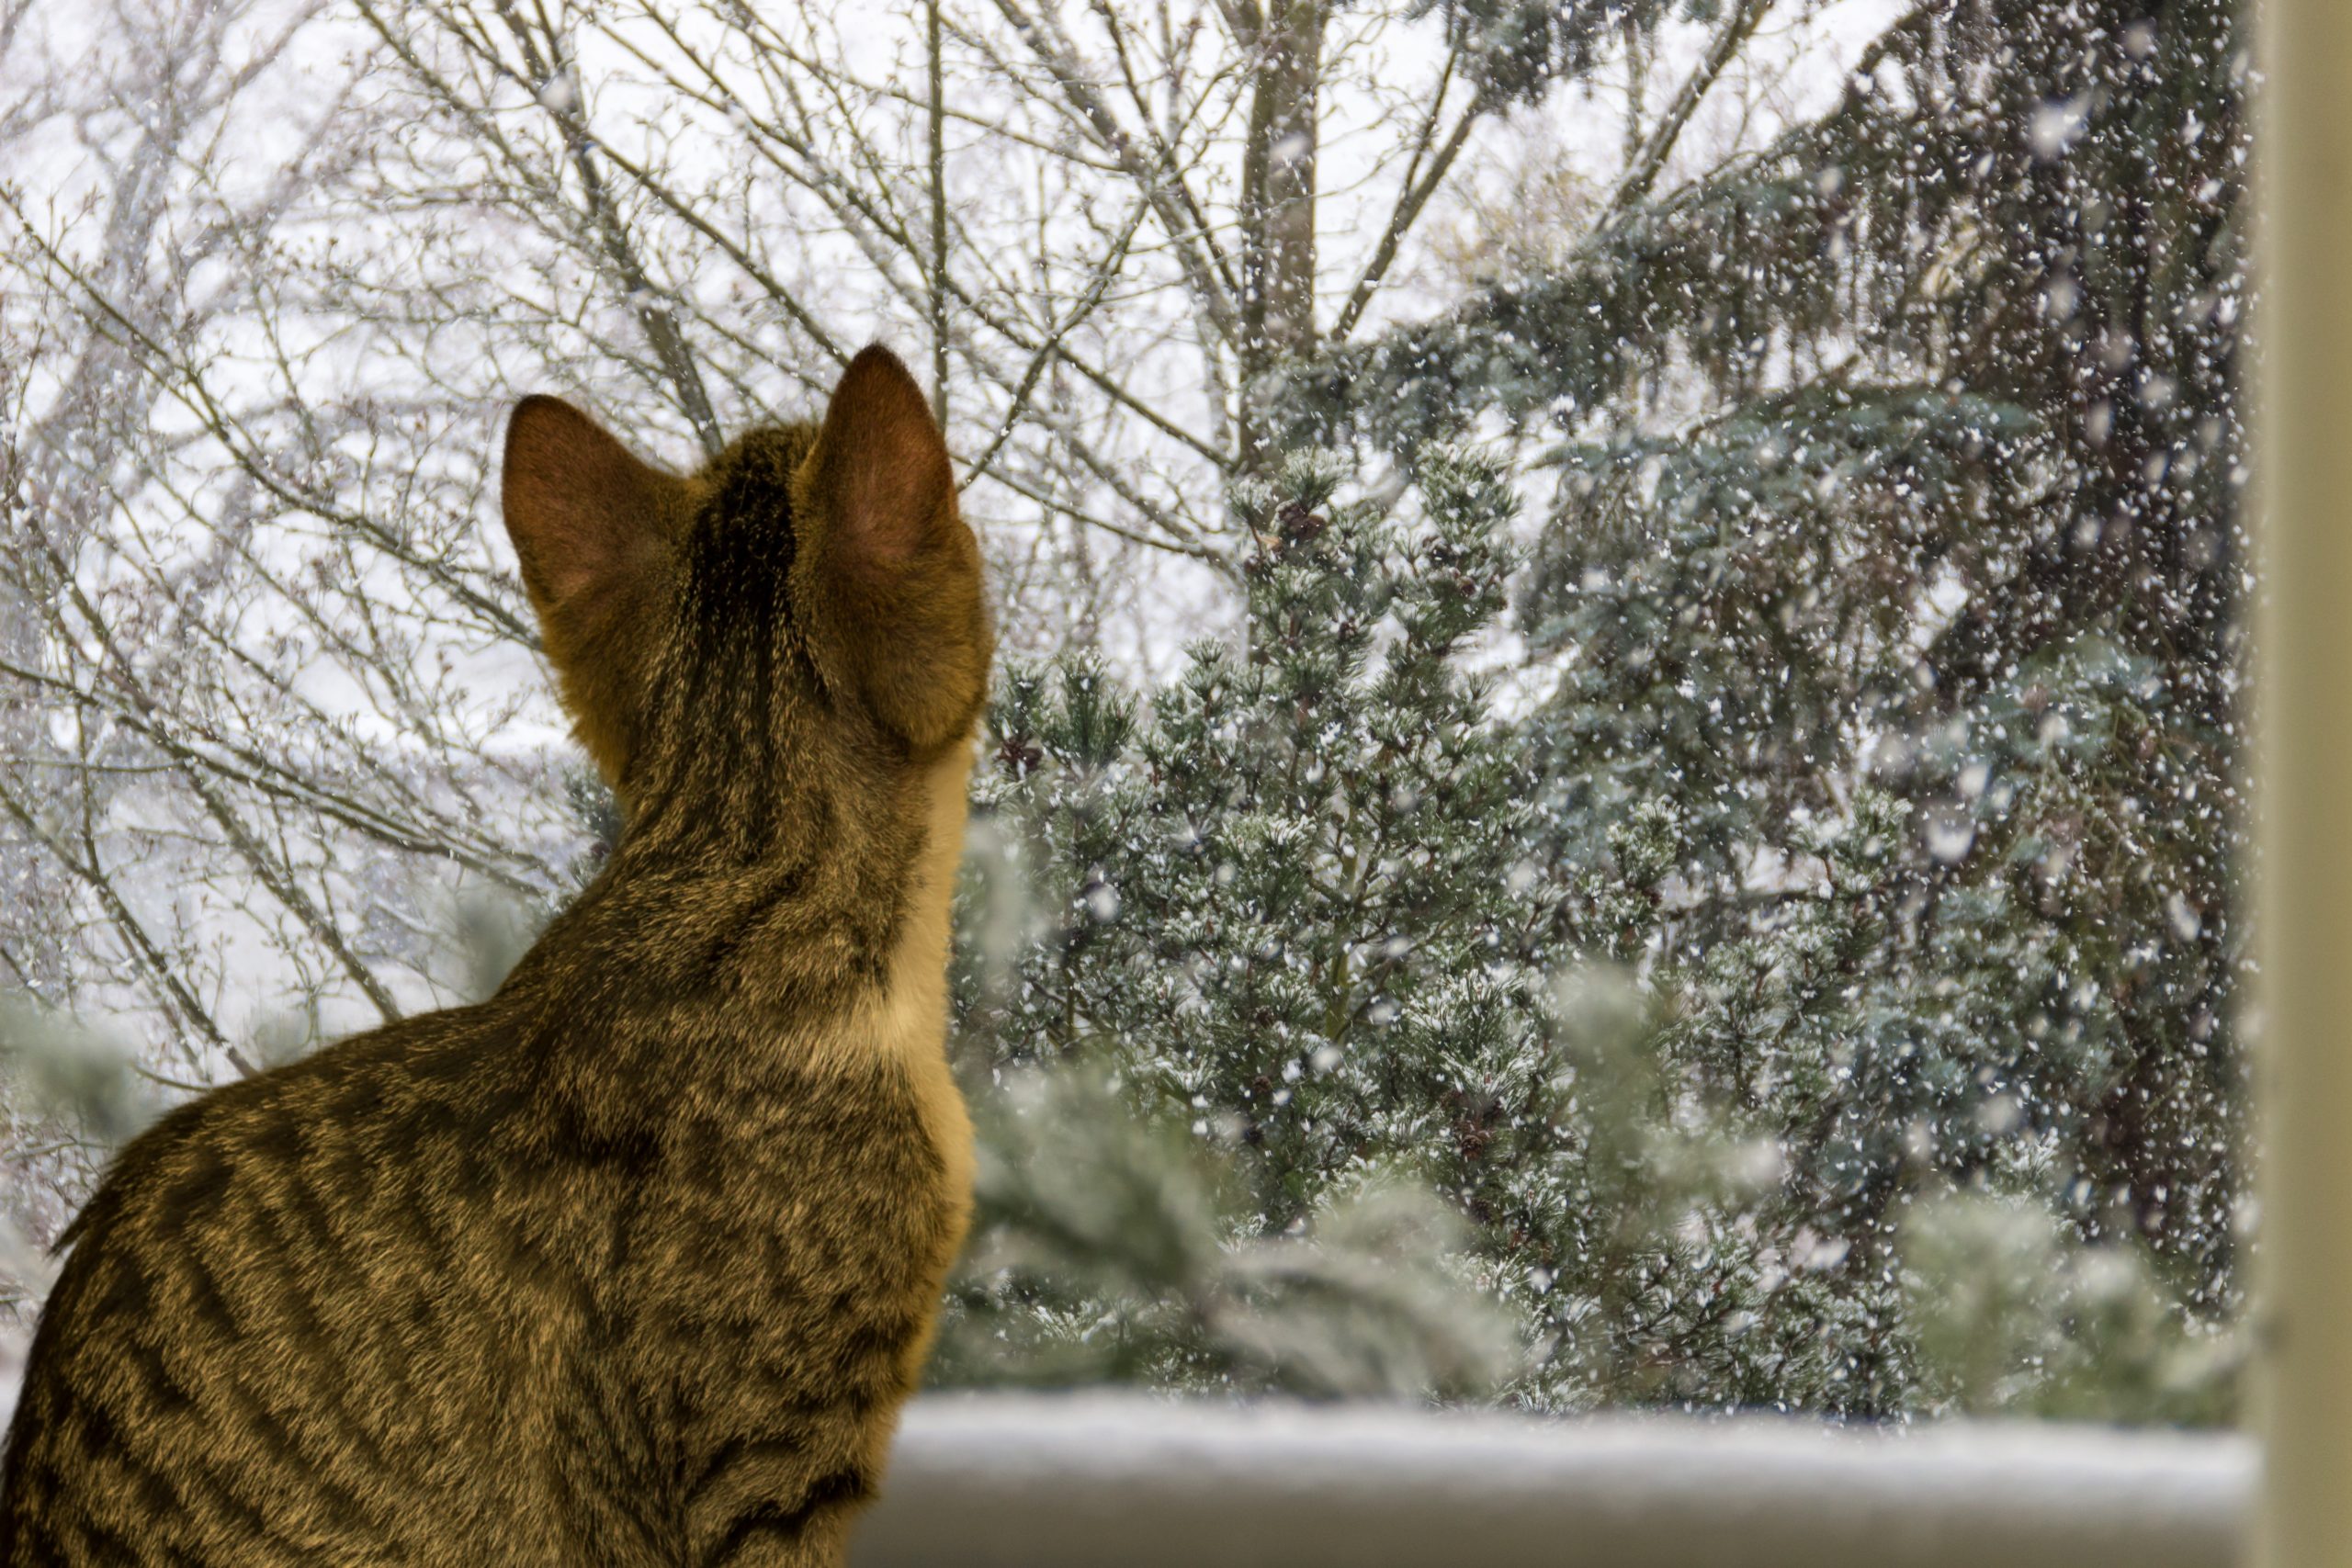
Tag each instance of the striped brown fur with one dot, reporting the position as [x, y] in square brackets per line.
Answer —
[634, 1262]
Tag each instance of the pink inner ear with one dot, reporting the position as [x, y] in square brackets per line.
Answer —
[884, 472]
[578, 505]
[897, 499]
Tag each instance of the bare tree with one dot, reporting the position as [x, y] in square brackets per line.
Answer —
[271, 270]
[239, 744]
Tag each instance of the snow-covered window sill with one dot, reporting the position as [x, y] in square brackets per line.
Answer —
[1092, 1481]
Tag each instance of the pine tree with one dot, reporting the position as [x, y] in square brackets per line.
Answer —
[1285, 905]
[1308, 923]
[1906, 458]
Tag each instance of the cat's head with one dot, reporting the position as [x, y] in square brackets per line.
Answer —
[807, 576]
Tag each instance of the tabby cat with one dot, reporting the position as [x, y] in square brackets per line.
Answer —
[634, 1262]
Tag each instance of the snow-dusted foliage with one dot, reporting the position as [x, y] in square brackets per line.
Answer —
[1905, 458]
[1320, 904]
[1276, 907]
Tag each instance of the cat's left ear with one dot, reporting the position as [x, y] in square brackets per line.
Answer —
[889, 569]
[591, 524]
[581, 507]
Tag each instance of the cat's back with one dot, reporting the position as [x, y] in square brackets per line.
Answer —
[294, 1310]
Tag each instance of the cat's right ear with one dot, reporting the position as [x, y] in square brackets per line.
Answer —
[591, 525]
[584, 514]
[889, 570]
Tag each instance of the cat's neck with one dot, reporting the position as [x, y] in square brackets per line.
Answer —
[819, 906]
[719, 815]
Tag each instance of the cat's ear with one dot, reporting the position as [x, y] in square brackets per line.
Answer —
[583, 511]
[881, 469]
[892, 573]
[592, 526]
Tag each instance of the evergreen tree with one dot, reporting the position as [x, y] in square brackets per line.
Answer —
[1286, 905]
[1907, 457]
[1311, 909]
